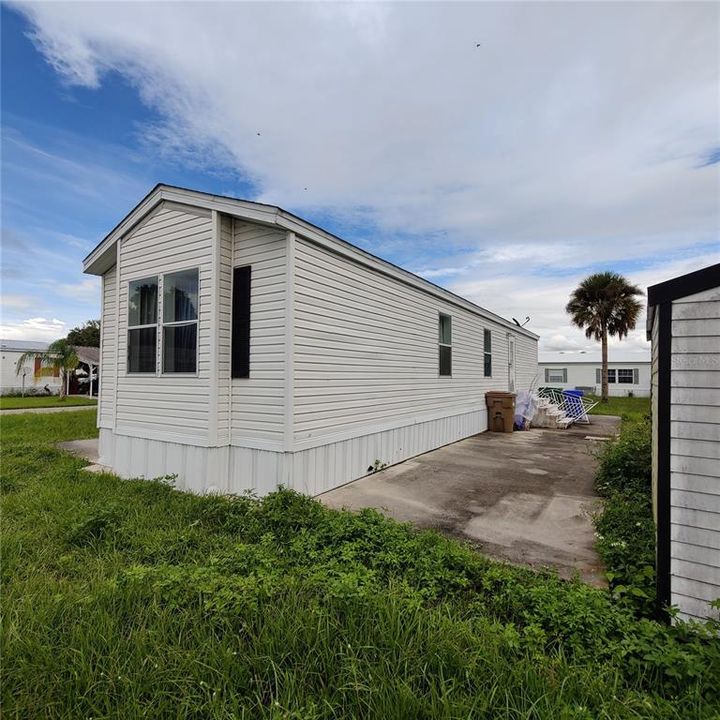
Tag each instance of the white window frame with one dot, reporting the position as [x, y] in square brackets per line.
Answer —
[130, 327]
[625, 382]
[162, 325]
[562, 373]
[159, 326]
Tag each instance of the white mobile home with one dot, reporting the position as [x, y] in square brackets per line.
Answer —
[684, 327]
[32, 378]
[243, 347]
[628, 372]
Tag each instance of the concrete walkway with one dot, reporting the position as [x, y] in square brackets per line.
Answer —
[72, 408]
[526, 498]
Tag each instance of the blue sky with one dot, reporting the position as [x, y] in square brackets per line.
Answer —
[505, 172]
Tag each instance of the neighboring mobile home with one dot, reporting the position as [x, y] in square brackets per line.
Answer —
[684, 326]
[243, 347]
[628, 372]
[32, 378]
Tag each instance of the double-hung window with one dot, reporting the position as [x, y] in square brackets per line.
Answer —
[142, 325]
[556, 375]
[180, 321]
[626, 376]
[487, 353]
[445, 344]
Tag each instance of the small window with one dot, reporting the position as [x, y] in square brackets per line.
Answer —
[142, 325]
[445, 344]
[556, 375]
[487, 353]
[180, 320]
[625, 376]
[611, 375]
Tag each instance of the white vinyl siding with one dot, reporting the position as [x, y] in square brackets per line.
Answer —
[587, 374]
[108, 350]
[366, 351]
[170, 238]
[695, 453]
[258, 402]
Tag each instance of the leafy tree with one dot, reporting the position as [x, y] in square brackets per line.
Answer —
[604, 304]
[87, 335]
[59, 357]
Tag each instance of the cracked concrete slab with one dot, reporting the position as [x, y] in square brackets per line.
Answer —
[526, 497]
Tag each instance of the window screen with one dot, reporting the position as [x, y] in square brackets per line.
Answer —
[142, 325]
[241, 322]
[444, 344]
[625, 376]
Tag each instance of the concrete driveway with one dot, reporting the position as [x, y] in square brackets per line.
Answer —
[525, 497]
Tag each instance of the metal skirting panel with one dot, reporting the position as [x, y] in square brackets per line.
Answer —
[232, 469]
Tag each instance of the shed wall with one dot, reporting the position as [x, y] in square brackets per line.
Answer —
[695, 453]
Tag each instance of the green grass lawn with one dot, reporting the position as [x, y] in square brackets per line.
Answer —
[630, 408]
[128, 599]
[43, 401]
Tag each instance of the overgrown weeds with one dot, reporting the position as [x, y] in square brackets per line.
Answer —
[625, 527]
[129, 599]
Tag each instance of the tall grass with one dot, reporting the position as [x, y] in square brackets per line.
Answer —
[127, 599]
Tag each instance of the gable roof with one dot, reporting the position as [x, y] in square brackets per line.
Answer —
[103, 256]
[680, 287]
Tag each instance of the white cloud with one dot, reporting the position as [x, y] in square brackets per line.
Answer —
[570, 121]
[569, 141]
[34, 329]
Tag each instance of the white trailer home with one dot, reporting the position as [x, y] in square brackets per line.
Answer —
[628, 372]
[684, 326]
[32, 378]
[243, 347]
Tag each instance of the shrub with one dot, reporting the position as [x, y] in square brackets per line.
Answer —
[625, 527]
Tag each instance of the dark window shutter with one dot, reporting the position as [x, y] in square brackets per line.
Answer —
[564, 375]
[636, 376]
[547, 374]
[241, 323]
[598, 376]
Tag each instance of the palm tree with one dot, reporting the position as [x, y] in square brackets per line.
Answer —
[604, 304]
[59, 357]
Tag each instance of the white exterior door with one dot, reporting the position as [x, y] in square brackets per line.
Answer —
[511, 363]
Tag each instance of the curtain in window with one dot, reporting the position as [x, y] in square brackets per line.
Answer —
[180, 296]
[179, 348]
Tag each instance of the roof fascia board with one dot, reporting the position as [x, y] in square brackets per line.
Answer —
[685, 285]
